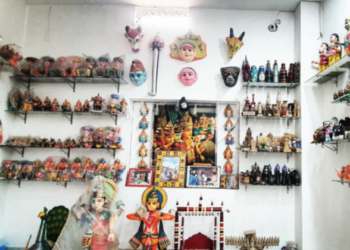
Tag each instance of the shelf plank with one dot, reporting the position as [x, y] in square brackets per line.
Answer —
[343, 99]
[270, 84]
[78, 80]
[6, 66]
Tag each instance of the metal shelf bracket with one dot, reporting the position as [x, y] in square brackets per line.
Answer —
[66, 151]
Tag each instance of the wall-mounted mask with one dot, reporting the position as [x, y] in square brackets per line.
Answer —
[234, 43]
[188, 76]
[230, 75]
[134, 37]
[137, 73]
[188, 48]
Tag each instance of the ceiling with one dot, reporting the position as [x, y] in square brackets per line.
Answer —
[273, 5]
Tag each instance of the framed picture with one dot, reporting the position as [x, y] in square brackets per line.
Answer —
[140, 177]
[229, 181]
[170, 169]
[203, 177]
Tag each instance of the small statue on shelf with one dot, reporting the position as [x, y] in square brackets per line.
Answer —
[66, 106]
[259, 109]
[78, 107]
[37, 104]
[248, 140]
[118, 170]
[114, 105]
[335, 96]
[46, 64]
[60, 67]
[123, 106]
[28, 100]
[86, 139]
[324, 53]
[15, 99]
[100, 138]
[86, 106]
[228, 153]
[346, 43]
[143, 150]
[55, 105]
[75, 65]
[335, 49]
[103, 70]
[47, 105]
[118, 67]
[29, 67]
[97, 103]
[90, 65]
[340, 93]
[151, 233]
[143, 124]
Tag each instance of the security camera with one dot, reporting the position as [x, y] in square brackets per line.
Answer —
[274, 27]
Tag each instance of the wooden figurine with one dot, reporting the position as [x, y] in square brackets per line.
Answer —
[228, 125]
[228, 111]
[324, 53]
[143, 150]
[143, 124]
[86, 106]
[248, 140]
[144, 110]
[228, 153]
[228, 166]
[142, 164]
[229, 139]
[286, 148]
[253, 146]
[260, 109]
[151, 233]
[78, 107]
[143, 136]
[340, 93]
[334, 49]
[284, 109]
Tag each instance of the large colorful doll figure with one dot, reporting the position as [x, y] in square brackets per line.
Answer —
[149, 234]
[188, 48]
[335, 49]
[137, 73]
[188, 76]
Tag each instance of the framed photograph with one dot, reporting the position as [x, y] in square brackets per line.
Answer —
[203, 177]
[140, 177]
[229, 181]
[170, 169]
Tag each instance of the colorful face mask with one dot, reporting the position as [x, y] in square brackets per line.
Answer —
[188, 48]
[230, 75]
[137, 73]
[234, 43]
[188, 76]
[134, 37]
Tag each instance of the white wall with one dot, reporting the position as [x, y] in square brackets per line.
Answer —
[95, 30]
[11, 29]
[325, 203]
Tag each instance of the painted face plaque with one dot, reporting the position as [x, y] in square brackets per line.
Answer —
[234, 43]
[230, 75]
[137, 73]
[188, 76]
[134, 37]
[188, 48]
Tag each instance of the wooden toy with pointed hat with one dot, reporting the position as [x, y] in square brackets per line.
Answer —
[228, 166]
[134, 37]
[143, 150]
[144, 110]
[229, 139]
[90, 65]
[137, 73]
[143, 124]
[228, 111]
[151, 231]
[233, 43]
[228, 153]
[143, 136]
[188, 48]
[228, 125]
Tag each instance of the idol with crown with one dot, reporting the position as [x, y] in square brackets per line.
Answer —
[151, 233]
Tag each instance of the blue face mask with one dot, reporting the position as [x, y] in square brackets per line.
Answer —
[138, 77]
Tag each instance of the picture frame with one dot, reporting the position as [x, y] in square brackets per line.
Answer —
[229, 181]
[170, 169]
[140, 177]
[203, 177]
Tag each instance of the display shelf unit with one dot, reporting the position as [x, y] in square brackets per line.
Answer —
[273, 186]
[67, 114]
[281, 153]
[71, 81]
[21, 149]
[288, 85]
[332, 72]
[6, 66]
[344, 99]
[343, 182]
[334, 145]
[288, 119]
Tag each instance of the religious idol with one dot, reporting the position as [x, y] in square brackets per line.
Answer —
[144, 110]
[228, 166]
[134, 37]
[143, 124]
[188, 48]
[323, 62]
[228, 153]
[151, 231]
[229, 139]
[188, 76]
[143, 150]
[230, 75]
[170, 142]
[143, 136]
[246, 70]
[78, 107]
[137, 73]
[228, 111]
[28, 100]
[228, 125]
[233, 43]
[97, 103]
